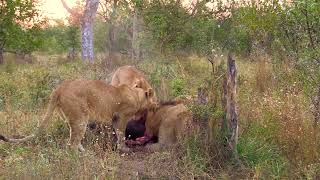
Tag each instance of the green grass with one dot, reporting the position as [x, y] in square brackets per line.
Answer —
[275, 141]
[258, 153]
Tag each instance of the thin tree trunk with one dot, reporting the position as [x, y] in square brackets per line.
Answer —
[89, 14]
[87, 19]
[224, 94]
[111, 26]
[316, 104]
[228, 101]
[1, 56]
[231, 103]
[110, 40]
[87, 52]
[135, 35]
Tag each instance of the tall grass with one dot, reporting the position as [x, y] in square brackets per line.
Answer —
[276, 140]
[277, 134]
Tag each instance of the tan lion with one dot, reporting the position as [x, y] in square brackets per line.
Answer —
[169, 123]
[132, 77]
[80, 101]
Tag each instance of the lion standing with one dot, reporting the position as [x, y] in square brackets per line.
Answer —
[132, 77]
[80, 101]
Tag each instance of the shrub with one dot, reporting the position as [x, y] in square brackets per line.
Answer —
[261, 155]
[178, 87]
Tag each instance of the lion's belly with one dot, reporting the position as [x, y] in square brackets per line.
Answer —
[100, 115]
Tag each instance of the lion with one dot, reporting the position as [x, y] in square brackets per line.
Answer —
[170, 123]
[81, 101]
[132, 77]
[167, 125]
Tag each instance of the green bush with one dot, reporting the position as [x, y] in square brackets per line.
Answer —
[178, 87]
[26, 88]
[40, 89]
[258, 153]
[201, 111]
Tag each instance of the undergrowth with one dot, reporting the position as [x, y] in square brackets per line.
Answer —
[276, 138]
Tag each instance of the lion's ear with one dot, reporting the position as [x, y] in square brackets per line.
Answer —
[137, 84]
[150, 92]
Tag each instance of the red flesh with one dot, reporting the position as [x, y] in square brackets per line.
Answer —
[139, 141]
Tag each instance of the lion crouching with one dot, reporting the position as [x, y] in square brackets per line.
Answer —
[170, 123]
[80, 101]
[167, 125]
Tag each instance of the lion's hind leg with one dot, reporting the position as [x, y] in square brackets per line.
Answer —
[77, 131]
[76, 112]
[77, 121]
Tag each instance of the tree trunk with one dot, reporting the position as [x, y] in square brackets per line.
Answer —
[87, 19]
[231, 103]
[1, 52]
[1, 56]
[87, 50]
[111, 39]
[135, 35]
[230, 123]
[316, 111]
[111, 28]
[224, 94]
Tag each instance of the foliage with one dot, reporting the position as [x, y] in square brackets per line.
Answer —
[19, 26]
[18, 92]
[300, 37]
[61, 38]
[275, 137]
[289, 30]
[203, 111]
[100, 35]
[177, 87]
[175, 29]
[276, 96]
[258, 153]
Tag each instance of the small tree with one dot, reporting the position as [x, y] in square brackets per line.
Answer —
[72, 32]
[299, 34]
[109, 14]
[19, 27]
[86, 18]
[72, 41]
[177, 28]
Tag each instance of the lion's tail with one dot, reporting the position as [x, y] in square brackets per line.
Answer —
[12, 140]
[52, 105]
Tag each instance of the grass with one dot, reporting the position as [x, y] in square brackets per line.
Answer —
[276, 137]
[264, 157]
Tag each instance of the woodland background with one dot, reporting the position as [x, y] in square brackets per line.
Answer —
[182, 48]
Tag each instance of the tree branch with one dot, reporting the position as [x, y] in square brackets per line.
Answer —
[71, 11]
[308, 28]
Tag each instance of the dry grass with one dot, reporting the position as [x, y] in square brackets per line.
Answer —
[278, 106]
[276, 139]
